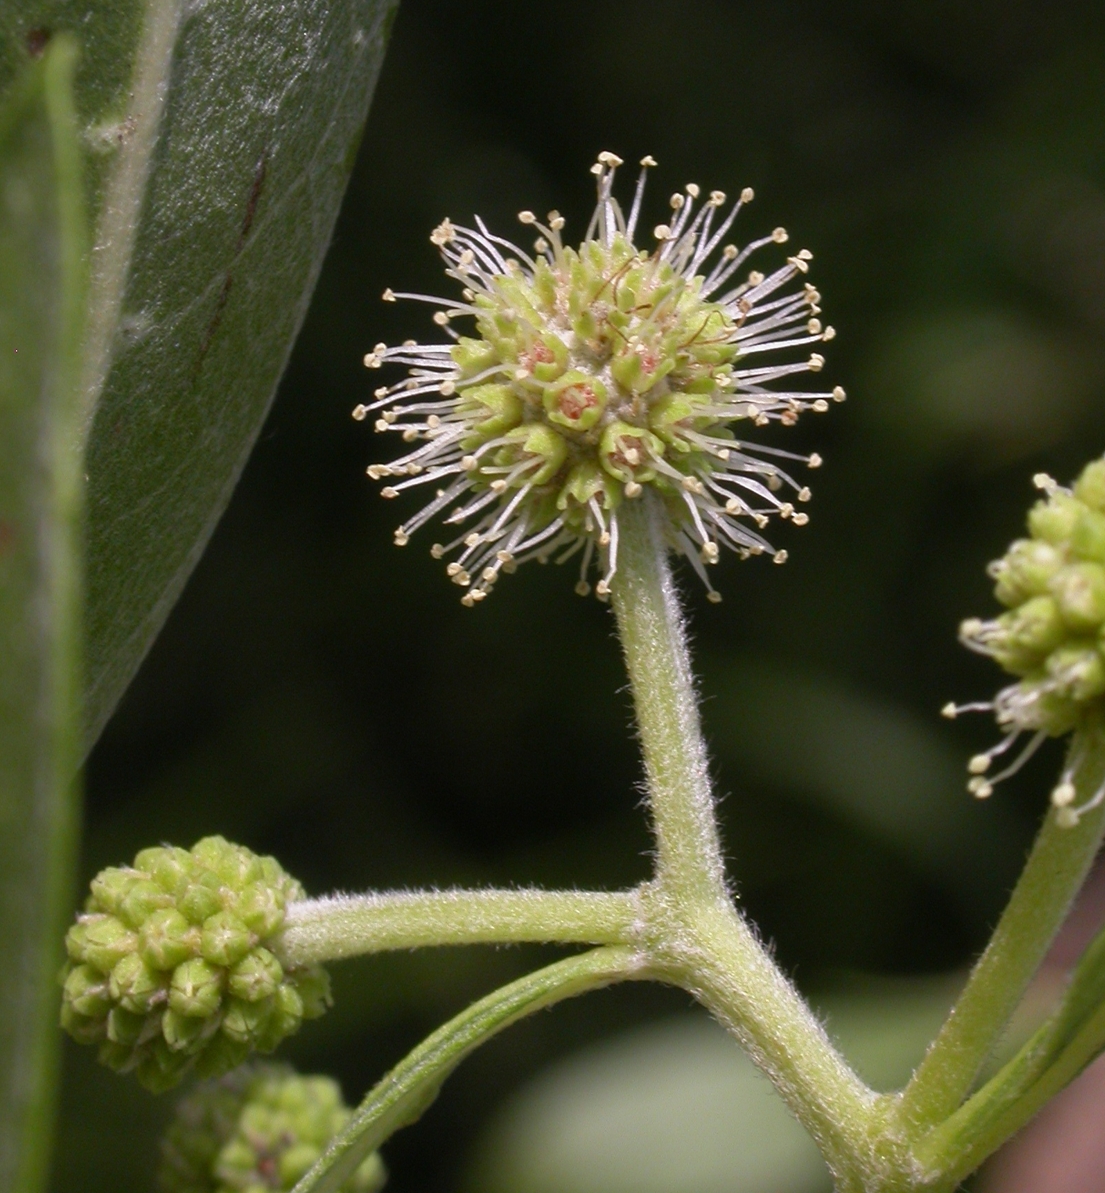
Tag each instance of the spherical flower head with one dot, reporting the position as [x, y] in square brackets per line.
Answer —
[258, 1129]
[600, 375]
[172, 965]
[1052, 637]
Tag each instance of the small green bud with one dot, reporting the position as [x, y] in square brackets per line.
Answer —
[141, 901]
[111, 886]
[493, 409]
[261, 908]
[87, 992]
[167, 939]
[587, 480]
[182, 1033]
[125, 1027]
[226, 940]
[179, 976]
[543, 443]
[246, 1021]
[258, 975]
[202, 898]
[256, 1130]
[167, 865]
[197, 989]
[137, 987]
[472, 356]
[106, 942]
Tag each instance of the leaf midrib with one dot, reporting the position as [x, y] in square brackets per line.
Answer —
[120, 210]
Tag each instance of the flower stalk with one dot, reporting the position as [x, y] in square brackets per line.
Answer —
[350, 925]
[1054, 873]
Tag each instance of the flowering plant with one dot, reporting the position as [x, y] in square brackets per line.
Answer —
[593, 412]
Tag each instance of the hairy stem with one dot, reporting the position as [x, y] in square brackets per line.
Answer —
[696, 936]
[720, 961]
[350, 925]
[1053, 875]
[650, 625]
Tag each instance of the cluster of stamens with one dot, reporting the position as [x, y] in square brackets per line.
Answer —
[597, 375]
[1052, 637]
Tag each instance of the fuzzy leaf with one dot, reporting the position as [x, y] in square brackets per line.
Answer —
[42, 241]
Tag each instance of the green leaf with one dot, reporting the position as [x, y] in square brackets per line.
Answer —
[220, 138]
[412, 1085]
[42, 242]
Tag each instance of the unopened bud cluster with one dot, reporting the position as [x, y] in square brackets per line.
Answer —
[598, 375]
[169, 968]
[1053, 636]
[257, 1130]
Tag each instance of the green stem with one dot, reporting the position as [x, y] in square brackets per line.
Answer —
[696, 935]
[350, 925]
[401, 1097]
[718, 959]
[650, 625]
[1053, 875]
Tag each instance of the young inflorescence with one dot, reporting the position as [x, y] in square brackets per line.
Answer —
[257, 1130]
[169, 969]
[596, 375]
[1052, 638]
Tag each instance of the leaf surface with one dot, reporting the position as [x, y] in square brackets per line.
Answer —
[220, 138]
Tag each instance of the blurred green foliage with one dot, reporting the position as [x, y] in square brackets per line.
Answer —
[321, 696]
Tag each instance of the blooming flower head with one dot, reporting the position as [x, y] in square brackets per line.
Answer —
[1053, 636]
[599, 375]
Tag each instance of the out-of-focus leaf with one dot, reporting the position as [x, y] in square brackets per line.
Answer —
[222, 136]
[876, 766]
[676, 1107]
[42, 241]
[402, 1096]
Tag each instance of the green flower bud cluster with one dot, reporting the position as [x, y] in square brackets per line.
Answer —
[1052, 638]
[258, 1129]
[171, 966]
[596, 374]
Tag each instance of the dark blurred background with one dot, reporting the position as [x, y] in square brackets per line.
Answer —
[320, 695]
